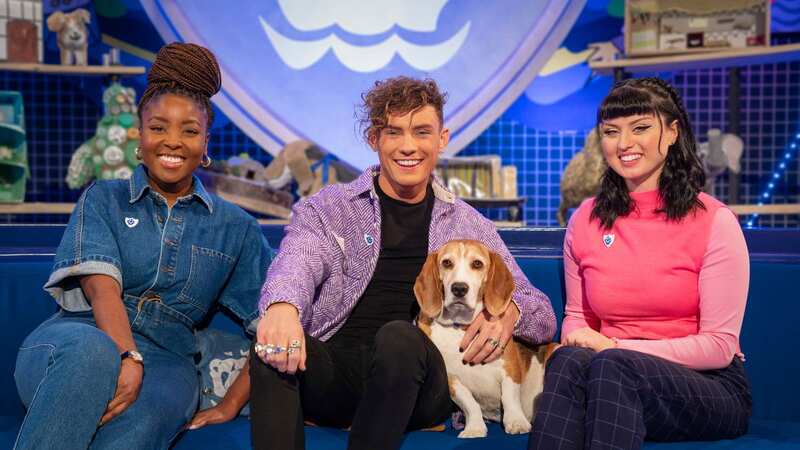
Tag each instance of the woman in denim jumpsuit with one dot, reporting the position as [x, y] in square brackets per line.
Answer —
[141, 262]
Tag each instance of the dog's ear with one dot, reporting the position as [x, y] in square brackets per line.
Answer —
[83, 15]
[428, 287]
[499, 286]
[55, 21]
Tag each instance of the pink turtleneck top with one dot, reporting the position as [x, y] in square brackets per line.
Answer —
[676, 290]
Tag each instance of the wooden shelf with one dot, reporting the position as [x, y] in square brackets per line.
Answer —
[36, 208]
[785, 208]
[494, 202]
[273, 221]
[715, 59]
[72, 70]
[66, 208]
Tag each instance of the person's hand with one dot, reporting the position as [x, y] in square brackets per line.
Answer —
[129, 383]
[220, 413]
[486, 337]
[589, 338]
[280, 330]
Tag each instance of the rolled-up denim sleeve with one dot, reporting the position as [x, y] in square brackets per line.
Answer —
[89, 247]
[242, 290]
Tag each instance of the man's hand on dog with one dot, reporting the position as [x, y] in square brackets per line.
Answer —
[484, 331]
[128, 384]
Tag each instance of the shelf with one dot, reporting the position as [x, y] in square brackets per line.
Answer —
[273, 221]
[36, 208]
[513, 205]
[780, 208]
[712, 59]
[494, 202]
[72, 70]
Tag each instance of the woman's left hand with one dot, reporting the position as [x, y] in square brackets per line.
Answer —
[487, 336]
[216, 414]
[588, 338]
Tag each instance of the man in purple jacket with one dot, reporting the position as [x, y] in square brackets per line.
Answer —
[337, 345]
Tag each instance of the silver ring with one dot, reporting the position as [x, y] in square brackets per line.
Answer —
[295, 343]
[279, 349]
[493, 342]
[290, 350]
[264, 348]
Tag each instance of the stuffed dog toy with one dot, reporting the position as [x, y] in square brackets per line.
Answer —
[456, 284]
[71, 34]
[582, 176]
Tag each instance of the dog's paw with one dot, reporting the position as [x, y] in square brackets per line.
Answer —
[516, 425]
[474, 431]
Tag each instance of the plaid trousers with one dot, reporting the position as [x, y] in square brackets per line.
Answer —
[616, 398]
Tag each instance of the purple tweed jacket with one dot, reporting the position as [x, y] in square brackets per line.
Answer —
[330, 249]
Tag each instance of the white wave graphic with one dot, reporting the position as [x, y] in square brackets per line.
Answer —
[299, 54]
[363, 17]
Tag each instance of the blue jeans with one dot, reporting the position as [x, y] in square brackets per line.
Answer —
[66, 374]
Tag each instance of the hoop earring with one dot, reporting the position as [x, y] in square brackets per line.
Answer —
[205, 161]
[138, 153]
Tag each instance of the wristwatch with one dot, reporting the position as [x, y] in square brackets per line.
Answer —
[134, 355]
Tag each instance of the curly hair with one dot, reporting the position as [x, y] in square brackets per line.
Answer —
[397, 96]
[188, 70]
[682, 177]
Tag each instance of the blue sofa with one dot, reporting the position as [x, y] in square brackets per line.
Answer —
[768, 337]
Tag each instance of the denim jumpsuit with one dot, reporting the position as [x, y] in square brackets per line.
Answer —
[174, 265]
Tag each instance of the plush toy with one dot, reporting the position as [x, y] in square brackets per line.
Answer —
[72, 35]
[111, 152]
[582, 176]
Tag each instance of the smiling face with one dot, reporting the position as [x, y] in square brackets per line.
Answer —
[173, 141]
[408, 148]
[636, 146]
[463, 268]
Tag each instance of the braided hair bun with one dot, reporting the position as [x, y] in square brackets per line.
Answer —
[184, 69]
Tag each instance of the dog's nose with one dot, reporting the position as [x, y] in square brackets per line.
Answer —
[459, 289]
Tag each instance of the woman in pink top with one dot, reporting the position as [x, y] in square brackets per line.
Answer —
[656, 277]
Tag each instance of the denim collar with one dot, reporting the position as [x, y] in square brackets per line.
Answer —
[364, 184]
[139, 185]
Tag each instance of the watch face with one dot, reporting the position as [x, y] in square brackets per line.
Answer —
[134, 355]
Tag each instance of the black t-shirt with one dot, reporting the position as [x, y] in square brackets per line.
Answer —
[390, 293]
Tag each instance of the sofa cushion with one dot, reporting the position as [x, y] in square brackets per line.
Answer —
[222, 357]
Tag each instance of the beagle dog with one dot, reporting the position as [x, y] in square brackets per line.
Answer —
[456, 283]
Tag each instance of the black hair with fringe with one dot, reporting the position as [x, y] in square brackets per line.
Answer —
[682, 177]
